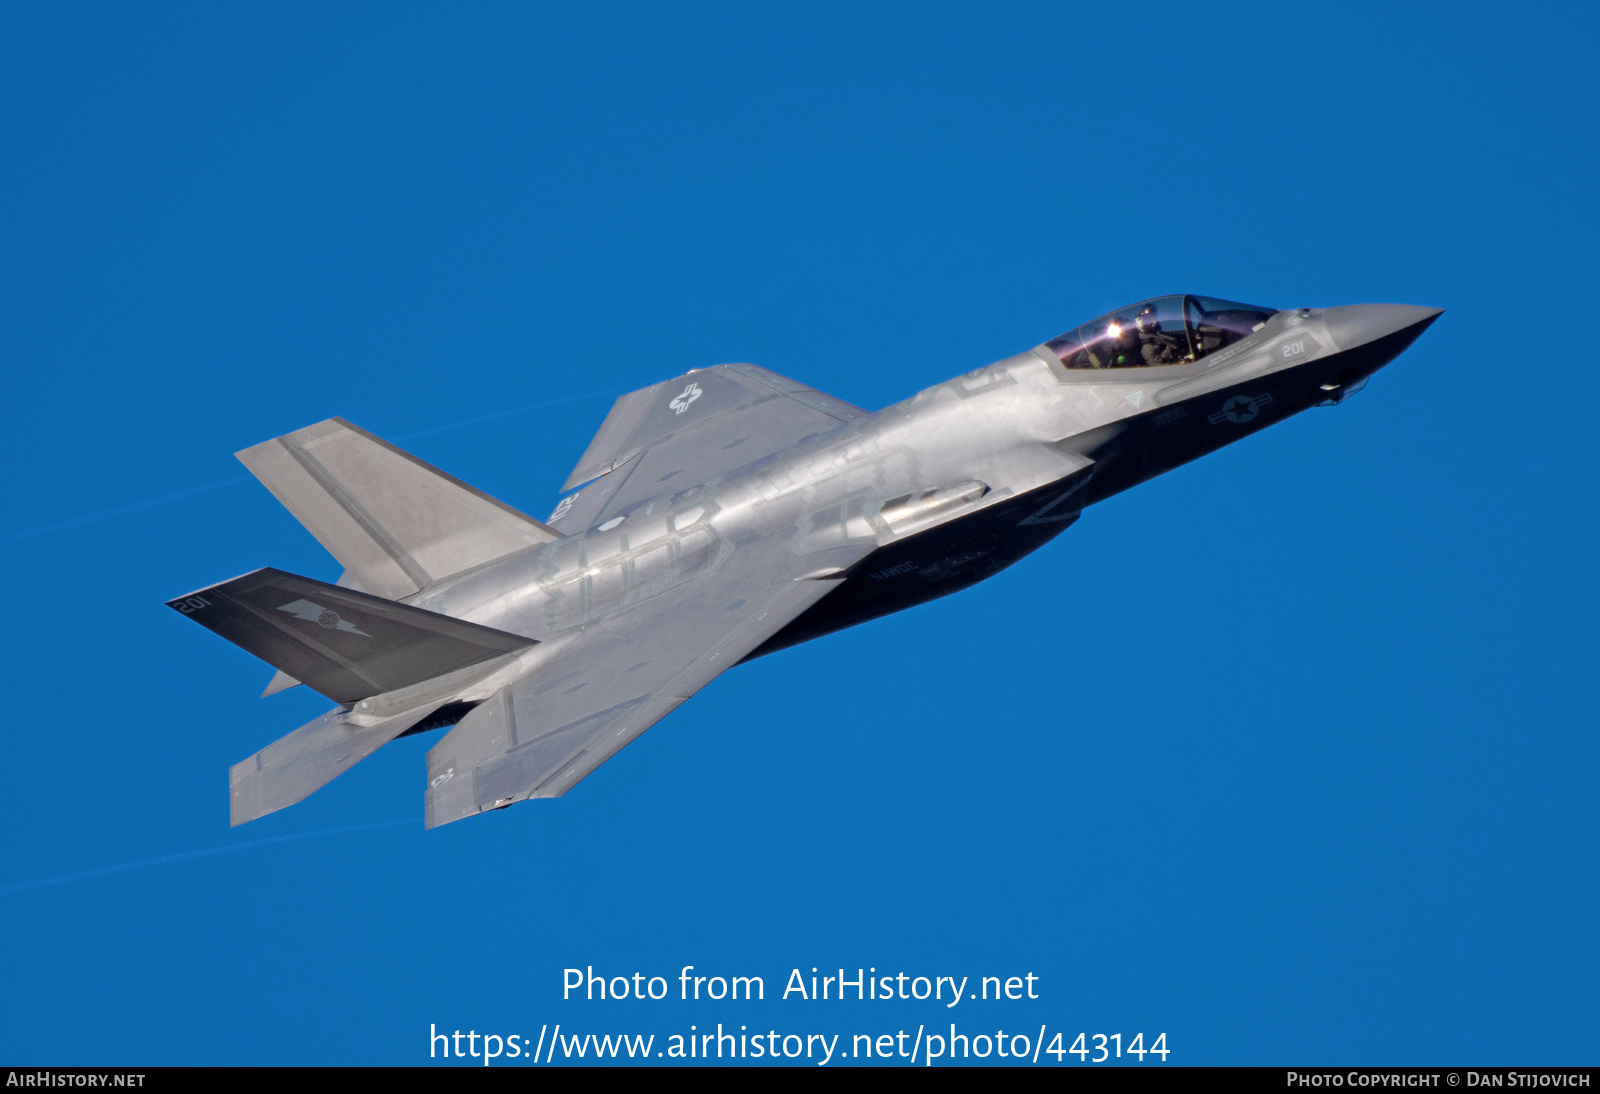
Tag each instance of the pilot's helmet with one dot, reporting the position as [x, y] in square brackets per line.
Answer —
[1147, 319]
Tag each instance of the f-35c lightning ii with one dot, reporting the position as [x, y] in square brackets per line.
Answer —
[716, 517]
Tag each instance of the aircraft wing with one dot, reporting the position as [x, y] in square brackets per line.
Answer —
[691, 430]
[618, 677]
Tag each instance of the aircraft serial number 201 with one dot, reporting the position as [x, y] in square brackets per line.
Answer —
[1105, 1046]
[1294, 349]
[191, 604]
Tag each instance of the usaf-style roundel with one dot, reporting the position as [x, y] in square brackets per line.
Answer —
[682, 402]
[1241, 409]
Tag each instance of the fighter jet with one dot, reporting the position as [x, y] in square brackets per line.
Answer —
[716, 517]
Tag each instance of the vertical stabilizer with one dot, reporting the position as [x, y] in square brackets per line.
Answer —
[396, 523]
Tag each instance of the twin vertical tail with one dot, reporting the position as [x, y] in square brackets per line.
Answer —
[399, 526]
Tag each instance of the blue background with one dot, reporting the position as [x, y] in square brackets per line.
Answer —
[1289, 754]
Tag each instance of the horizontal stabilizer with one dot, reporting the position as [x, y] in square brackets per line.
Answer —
[292, 767]
[345, 644]
[396, 523]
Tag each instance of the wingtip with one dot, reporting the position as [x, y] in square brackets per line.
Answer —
[281, 681]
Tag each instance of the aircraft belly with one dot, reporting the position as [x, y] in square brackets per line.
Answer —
[1139, 448]
[931, 564]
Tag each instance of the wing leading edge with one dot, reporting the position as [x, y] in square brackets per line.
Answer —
[691, 430]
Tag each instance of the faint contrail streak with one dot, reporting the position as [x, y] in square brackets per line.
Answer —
[508, 413]
[182, 856]
[179, 495]
[131, 507]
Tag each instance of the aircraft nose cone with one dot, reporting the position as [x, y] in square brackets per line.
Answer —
[1358, 324]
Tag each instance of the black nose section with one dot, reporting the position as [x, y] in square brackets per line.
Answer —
[1362, 324]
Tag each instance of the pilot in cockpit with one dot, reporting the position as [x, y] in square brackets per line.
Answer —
[1156, 346]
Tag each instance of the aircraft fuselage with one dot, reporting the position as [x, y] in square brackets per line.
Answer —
[1133, 448]
[720, 516]
[1035, 441]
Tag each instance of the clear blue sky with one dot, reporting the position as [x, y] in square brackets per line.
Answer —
[1289, 754]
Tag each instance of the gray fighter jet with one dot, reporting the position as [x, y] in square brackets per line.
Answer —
[716, 517]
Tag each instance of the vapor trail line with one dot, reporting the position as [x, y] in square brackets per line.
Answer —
[509, 413]
[183, 856]
[179, 495]
[121, 510]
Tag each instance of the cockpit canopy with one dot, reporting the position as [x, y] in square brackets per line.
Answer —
[1169, 330]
